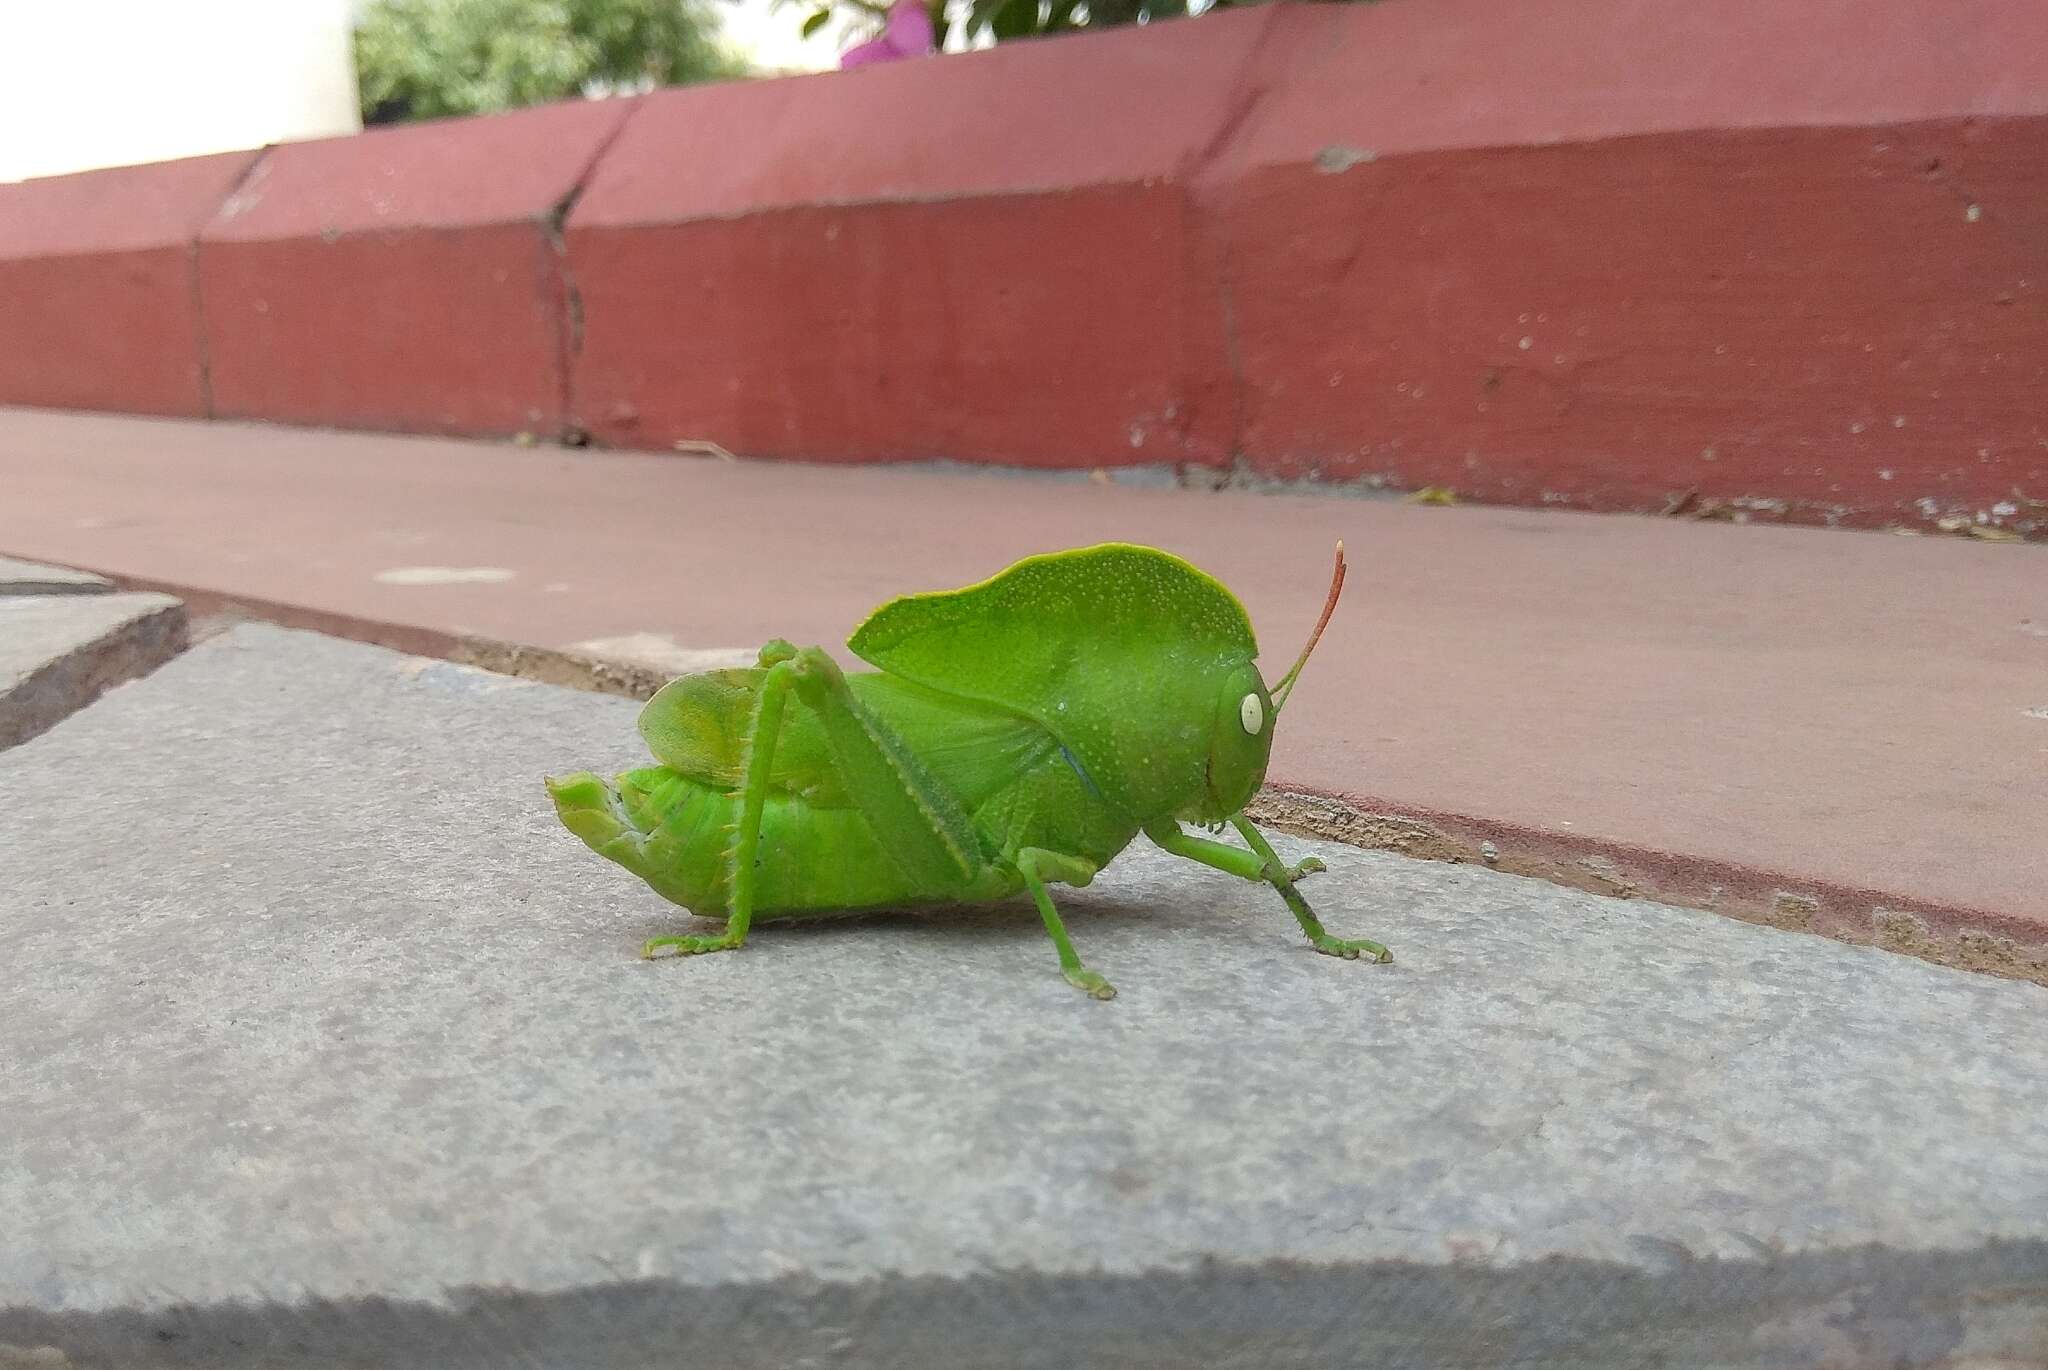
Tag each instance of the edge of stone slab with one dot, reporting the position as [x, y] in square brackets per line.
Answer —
[18, 577]
[127, 650]
[2005, 945]
[1869, 1305]
[1960, 936]
[213, 611]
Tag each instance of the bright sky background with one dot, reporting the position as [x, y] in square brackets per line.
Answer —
[119, 81]
[772, 36]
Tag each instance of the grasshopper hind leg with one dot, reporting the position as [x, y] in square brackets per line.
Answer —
[931, 845]
[693, 944]
[757, 765]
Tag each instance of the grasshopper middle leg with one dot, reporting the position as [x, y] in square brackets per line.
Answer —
[1037, 866]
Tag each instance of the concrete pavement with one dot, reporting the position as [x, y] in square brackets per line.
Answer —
[1841, 732]
[325, 1046]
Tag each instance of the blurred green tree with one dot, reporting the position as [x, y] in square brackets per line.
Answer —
[421, 59]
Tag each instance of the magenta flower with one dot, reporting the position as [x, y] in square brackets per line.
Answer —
[908, 33]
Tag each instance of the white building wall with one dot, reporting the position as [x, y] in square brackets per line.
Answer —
[115, 82]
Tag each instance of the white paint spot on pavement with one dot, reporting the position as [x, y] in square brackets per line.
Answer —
[1338, 158]
[445, 575]
[661, 652]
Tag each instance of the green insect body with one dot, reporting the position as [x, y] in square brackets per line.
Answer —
[1020, 731]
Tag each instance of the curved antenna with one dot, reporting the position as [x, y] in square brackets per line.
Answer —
[1329, 607]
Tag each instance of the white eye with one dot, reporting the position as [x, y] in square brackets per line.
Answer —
[1251, 713]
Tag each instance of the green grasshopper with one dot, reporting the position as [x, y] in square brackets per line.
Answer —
[1020, 731]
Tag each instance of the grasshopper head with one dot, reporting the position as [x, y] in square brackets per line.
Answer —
[1241, 741]
[1242, 735]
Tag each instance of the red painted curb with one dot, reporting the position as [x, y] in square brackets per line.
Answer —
[406, 278]
[97, 301]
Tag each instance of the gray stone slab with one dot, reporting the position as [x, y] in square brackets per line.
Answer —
[324, 1045]
[33, 578]
[59, 652]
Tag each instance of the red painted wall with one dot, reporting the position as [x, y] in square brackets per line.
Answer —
[988, 257]
[98, 307]
[1757, 258]
[1782, 260]
[405, 278]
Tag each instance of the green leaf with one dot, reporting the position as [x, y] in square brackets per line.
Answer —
[1015, 19]
[815, 21]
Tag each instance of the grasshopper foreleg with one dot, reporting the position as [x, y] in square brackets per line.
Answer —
[1262, 863]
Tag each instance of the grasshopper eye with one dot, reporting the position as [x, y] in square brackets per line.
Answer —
[1252, 714]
